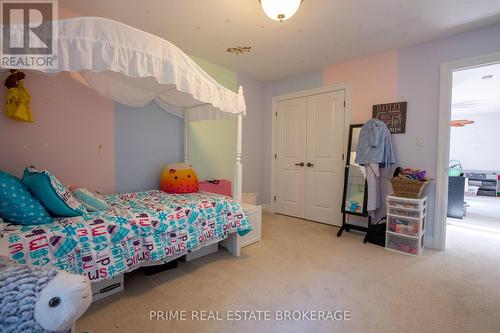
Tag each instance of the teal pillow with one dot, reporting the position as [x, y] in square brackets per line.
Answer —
[92, 201]
[18, 205]
[52, 194]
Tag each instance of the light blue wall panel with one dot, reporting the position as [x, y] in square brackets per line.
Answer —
[147, 138]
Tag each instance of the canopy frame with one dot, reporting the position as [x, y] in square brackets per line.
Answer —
[238, 165]
[133, 67]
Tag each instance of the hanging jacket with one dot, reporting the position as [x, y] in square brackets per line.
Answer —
[375, 145]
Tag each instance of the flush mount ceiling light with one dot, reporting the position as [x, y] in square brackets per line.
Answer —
[280, 10]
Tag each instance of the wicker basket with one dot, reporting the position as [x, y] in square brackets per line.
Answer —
[408, 188]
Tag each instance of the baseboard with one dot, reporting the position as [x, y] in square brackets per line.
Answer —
[266, 208]
[429, 243]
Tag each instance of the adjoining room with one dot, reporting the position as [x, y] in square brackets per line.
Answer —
[474, 154]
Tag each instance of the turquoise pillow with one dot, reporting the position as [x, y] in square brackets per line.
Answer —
[52, 194]
[18, 205]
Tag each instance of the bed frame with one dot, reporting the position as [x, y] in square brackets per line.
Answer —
[231, 243]
[183, 96]
[238, 167]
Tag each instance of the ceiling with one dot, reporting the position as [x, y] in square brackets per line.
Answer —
[474, 92]
[322, 32]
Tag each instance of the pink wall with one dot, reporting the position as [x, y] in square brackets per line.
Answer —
[373, 81]
[71, 121]
[65, 13]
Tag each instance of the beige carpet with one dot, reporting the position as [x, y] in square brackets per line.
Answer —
[302, 265]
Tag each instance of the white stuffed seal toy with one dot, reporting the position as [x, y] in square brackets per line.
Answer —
[40, 299]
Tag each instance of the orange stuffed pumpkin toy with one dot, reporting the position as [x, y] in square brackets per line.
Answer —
[179, 178]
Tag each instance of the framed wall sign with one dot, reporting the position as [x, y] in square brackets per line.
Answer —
[393, 115]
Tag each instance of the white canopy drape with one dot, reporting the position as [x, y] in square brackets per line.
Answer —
[134, 67]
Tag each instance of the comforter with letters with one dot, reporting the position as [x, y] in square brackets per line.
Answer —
[137, 227]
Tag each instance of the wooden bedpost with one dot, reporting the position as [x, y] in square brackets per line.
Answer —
[232, 244]
[238, 171]
[186, 137]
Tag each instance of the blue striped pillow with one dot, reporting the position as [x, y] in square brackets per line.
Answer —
[52, 193]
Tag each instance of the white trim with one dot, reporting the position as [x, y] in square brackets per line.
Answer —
[238, 167]
[429, 242]
[438, 241]
[186, 139]
[265, 209]
[346, 86]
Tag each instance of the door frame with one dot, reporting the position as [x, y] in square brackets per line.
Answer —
[443, 153]
[346, 86]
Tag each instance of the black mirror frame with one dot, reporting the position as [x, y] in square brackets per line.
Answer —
[346, 177]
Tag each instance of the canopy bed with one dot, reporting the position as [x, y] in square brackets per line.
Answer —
[135, 68]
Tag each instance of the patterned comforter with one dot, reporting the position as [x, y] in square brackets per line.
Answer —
[138, 227]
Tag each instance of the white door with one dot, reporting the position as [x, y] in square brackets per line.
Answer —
[290, 157]
[309, 163]
[324, 158]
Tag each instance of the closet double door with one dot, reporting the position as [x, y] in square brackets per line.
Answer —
[309, 157]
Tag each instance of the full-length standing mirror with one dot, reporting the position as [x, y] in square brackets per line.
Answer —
[355, 189]
[355, 192]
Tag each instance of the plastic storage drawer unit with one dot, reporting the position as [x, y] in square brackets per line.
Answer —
[405, 226]
[405, 212]
[404, 244]
[408, 203]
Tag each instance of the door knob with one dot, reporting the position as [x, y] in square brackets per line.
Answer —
[301, 164]
[309, 164]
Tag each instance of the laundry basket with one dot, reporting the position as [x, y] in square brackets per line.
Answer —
[471, 191]
[408, 188]
[455, 168]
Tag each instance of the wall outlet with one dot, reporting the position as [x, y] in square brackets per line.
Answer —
[420, 141]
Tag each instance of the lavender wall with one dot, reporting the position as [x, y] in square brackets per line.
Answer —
[253, 136]
[147, 139]
[417, 77]
[418, 83]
